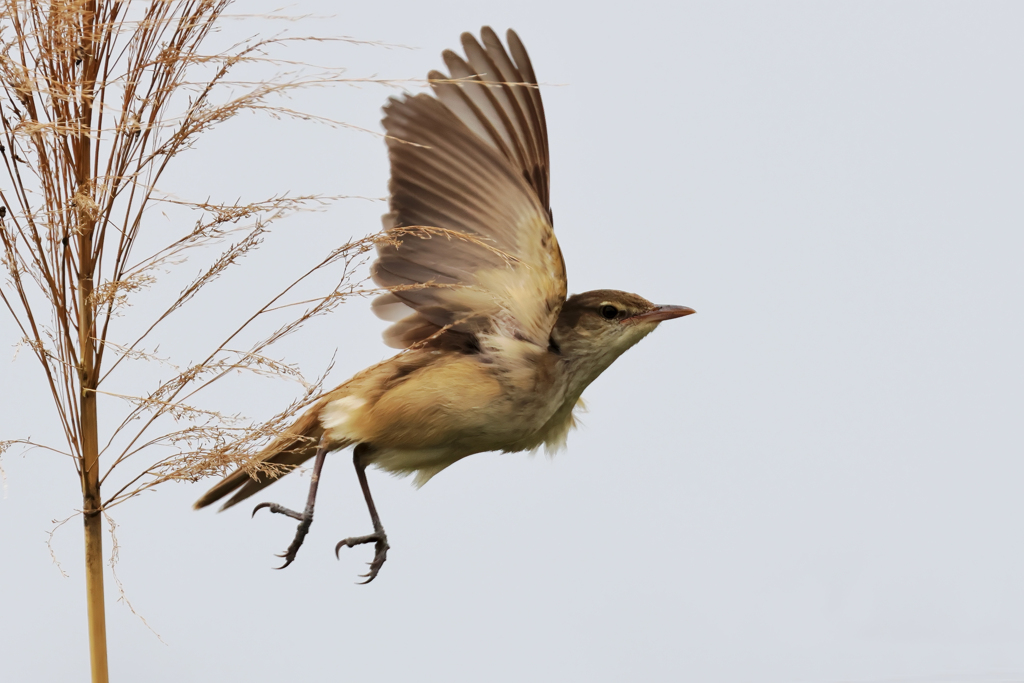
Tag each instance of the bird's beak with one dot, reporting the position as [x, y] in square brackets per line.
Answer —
[660, 313]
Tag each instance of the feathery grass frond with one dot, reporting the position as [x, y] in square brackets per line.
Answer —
[97, 99]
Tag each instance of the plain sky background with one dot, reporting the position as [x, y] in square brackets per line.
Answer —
[818, 478]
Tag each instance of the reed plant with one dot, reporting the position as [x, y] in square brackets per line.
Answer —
[100, 98]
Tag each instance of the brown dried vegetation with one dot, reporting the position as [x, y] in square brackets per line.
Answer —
[98, 98]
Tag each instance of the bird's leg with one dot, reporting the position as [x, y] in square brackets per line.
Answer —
[378, 537]
[306, 517]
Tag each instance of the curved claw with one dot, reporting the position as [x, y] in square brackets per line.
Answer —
[343, 542]
[287, 560]
[300, 533]
[277, 509]
[293, 549]
[380, 541]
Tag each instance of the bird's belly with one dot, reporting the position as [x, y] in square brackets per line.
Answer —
[503, 426]
[458, 424]
[447, 411]
[451, 399]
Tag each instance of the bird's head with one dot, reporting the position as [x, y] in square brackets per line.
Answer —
[594, 328]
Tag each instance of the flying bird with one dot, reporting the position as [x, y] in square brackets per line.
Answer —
[494, 356]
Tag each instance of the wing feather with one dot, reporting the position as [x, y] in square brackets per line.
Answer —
[474, 250]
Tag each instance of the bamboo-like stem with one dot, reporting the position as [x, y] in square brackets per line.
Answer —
[88, 371]
[94, 586]
[91, 500]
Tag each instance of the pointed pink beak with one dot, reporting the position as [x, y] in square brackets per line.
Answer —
[661, 313]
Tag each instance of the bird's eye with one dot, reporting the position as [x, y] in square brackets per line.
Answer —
[609, 312]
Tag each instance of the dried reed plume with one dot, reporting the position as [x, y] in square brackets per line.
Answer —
[99, 96]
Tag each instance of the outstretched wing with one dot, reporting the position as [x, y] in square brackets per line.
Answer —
[473, 247]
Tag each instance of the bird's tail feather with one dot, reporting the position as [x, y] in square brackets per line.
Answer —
[292, 448]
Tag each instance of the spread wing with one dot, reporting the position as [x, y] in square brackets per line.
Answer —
[473, 250]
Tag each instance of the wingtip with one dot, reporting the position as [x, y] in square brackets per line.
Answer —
[468, 39]
[512, 37]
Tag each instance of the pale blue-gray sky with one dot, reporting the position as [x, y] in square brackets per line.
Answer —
[817, 478]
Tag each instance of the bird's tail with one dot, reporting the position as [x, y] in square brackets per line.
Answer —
[292, 448]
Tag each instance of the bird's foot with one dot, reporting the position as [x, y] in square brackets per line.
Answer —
[380, 541]
[279, 509]
[305, 520]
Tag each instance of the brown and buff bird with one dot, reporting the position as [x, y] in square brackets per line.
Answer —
[495, 357]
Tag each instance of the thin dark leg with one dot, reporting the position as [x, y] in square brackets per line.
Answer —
[378, 537]
[306, 518]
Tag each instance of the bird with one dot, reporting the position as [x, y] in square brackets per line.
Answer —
[494, 355]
